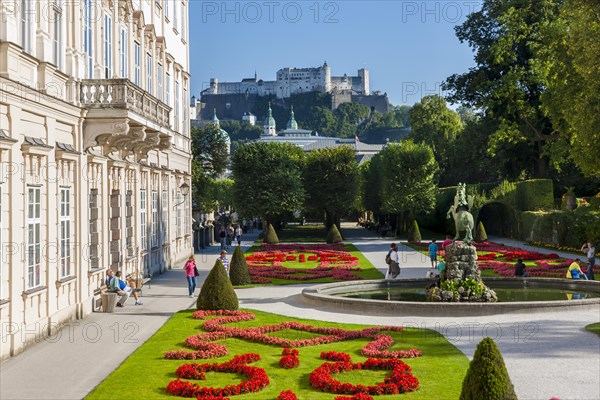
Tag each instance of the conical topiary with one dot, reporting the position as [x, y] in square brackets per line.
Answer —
[487, 377]
[414, 234]
[217, 292]
[271, 236]
[238, 268]
[480, 235]
[334, 235]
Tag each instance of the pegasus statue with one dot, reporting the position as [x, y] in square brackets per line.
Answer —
[463, 220]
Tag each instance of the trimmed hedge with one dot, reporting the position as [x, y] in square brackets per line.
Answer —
[238, 268]
[487, 377]
[271, 236]
[561, 228]
[217, 292]
[535, 194]
[334, 235]
[414, 235]
[480, 234]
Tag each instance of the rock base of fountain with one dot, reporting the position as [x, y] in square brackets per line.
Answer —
[461, 280]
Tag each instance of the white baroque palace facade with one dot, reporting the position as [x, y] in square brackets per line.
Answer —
[94, 148]
[293, 81]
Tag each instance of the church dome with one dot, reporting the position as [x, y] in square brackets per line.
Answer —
[270, 121]
[223, 132]
[292, 124]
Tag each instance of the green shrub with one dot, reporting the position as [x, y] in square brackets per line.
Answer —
[480, 234]
[487, 377]
[238, 268]
[271, 236]
[506, 192]
[334, 235]
[535, 194]
[217, 292]
[414, 234]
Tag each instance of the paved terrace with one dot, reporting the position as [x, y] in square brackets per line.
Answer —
[547, 354]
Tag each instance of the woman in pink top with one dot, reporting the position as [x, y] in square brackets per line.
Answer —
[190, 273]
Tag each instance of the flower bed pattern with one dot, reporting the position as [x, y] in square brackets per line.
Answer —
[257, 378]
[333, 262]
[400, 381]
[500, 259]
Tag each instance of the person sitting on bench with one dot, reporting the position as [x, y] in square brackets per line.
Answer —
[129, 289]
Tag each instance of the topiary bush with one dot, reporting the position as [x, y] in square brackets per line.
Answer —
[480, 235]
[487, 377]
[238, 268]
[217, 292]
[271, 236]
[334, 235]
[414, 234]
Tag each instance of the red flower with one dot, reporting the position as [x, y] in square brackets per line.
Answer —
[287, 395]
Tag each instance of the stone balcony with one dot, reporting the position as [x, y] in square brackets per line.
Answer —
[123, 117]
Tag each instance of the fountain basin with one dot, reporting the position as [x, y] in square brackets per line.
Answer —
[335, 295]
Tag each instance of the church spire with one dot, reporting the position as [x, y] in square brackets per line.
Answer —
[292, 124]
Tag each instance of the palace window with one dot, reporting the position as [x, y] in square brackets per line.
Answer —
[167, 9]
[33, 224]
[183, 21]
[143, 236]
[165, 215]
[1, 253]
[168, 88]
[159, 82]
[175, 12]
[88, 41]
[26, 22]
[57, 37]
[124, 51]
[177, 100]
[94, 234]
[154, 218]
[64, 219]
[108, 41]
[148, 73]
[129, 224]
[137, 63]
[178, 220]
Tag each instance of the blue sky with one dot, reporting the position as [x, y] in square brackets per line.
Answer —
[409, 47]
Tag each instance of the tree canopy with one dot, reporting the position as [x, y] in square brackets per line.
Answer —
[332, 179]
[267, 179]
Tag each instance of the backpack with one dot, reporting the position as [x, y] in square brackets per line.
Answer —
[388, 258]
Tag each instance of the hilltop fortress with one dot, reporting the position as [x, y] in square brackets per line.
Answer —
[233, 99]
[293, 81]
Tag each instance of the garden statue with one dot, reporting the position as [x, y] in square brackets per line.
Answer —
[463, 220]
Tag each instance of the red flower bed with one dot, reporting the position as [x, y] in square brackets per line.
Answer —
[257, 378]
[287, 395]
[401, 379]
[357, 396]
[333, 262]
[377, 348]
[335, 356]
[290, 359]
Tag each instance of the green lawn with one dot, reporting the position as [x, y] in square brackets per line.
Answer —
[595, 328]
[145, 374]
[367, 270]
[306, 233]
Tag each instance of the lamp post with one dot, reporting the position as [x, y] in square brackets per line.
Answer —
[184, 189]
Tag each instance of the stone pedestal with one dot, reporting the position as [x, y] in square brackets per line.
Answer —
[461, 280]
[461, 262]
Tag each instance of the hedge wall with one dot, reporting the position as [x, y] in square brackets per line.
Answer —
[561, 228]
[535, 194]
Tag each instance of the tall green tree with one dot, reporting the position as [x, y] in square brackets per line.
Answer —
[408, 186]
[209, 160]
[268, 179]
[434, 123]
[372, 178]
[332, 180]
[504, 83]
[568, 59]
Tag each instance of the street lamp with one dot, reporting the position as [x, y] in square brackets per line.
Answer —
[184, 189]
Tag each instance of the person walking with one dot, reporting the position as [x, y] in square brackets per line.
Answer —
[229, 235]
[190, 274]
[222, 237]
[224, 261]
[433, 249]
[394, 266]
[590, 250]
[238, 234]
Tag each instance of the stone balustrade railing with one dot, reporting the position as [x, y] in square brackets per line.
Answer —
[122, 93]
